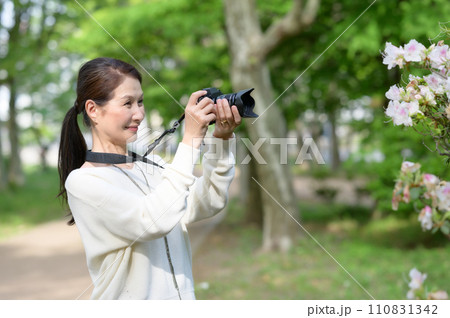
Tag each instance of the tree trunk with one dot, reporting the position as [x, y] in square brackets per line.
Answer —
[43, 157]
[253, 202]
[3, 179]
[244, 173]
[333, 100]
[15, 173]
[249, 69]
[334, 142]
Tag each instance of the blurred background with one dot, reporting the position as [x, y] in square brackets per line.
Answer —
[317, 70]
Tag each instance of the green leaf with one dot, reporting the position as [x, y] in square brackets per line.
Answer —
[445, 228]
[415, 193]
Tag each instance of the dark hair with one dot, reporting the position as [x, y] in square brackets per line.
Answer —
[97, 79]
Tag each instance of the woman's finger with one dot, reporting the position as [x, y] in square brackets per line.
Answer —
[210, 117]
[208, 109]
[205, 102]
[220, 111]
[195, 96]
[236, 115]
[228, 115]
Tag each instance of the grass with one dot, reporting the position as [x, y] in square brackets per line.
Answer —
[379, 255]
[32, 204]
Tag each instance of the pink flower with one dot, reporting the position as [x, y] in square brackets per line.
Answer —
[412, 107]
[430, 179]
[435, 82]
[406, 194]
[411, 93]
[425, 218]
[439, 56]
[396, 197]
[393, 56]
[414, 51]
[399, 113]
[408, 166]
[427, 95]
[443, 196]
[394, 93]
[447, 85]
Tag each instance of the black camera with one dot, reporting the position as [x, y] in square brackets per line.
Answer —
[242, 99]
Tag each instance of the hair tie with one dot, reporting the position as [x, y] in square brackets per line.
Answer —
[75, 106]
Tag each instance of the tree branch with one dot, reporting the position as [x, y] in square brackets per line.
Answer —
[291, 24]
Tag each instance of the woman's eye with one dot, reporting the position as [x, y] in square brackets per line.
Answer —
[141, 102]
[128, 103]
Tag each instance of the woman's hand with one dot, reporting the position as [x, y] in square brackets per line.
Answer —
[227, 119]
[197, 119]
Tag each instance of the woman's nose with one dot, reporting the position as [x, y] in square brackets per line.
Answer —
[139, 113]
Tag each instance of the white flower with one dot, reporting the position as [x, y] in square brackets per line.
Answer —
[447, 111]
[412, 77]
[427, 95]
[394, 93]
[412, 107]
[436, 83]
[438, 295]
[408, 166]
[414, 51]
[410, 294]
[417, 279]
[393, 56]
[443, 195]
[430, 181]
[439, 56]
[399, 113]
[447, 89]
[425, 218]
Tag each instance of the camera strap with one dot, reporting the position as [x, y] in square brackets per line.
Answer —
[114, 158]
[167, 131]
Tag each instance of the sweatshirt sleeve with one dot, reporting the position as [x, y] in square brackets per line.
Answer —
[209, 194]
[130, 215]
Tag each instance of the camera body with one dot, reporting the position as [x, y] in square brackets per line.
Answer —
[242, 99]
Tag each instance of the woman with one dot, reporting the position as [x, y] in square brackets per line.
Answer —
[132, 220]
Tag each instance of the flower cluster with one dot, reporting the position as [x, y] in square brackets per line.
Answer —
[417, 291]
[435, 57]
[413, 185]
[423, 102]
[425, 99]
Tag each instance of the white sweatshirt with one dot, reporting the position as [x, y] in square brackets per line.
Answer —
[123, 230]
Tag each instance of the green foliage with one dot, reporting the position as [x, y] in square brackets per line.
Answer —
[35, 68]
[180, 44]
[350, 66]
[370, 253]
[396, 144]
[31, 204]
[331, 212]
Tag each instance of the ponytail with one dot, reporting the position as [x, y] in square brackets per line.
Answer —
[72, 151]
[97, 80]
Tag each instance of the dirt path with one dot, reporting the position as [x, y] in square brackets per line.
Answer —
[48, 262]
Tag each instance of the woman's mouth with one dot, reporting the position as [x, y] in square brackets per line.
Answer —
[133, 128]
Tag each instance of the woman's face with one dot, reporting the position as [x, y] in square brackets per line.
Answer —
[118, 120]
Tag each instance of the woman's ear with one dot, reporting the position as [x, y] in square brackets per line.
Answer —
[91, 110]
